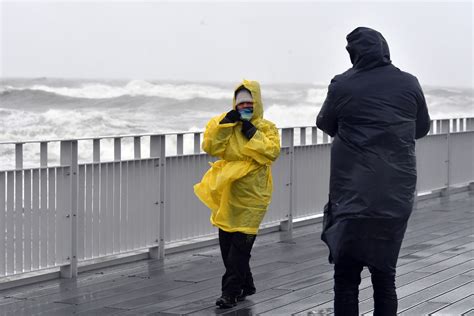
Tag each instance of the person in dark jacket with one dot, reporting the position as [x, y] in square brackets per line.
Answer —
[375, 112]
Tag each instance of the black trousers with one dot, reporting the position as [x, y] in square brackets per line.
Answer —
[346, 290]
[235, 251]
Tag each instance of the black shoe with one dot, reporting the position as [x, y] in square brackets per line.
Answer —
[244, 294]
[226, 302]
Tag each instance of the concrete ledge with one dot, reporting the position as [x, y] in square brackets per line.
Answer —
[113, 260]
[29, 278]
[444, 192]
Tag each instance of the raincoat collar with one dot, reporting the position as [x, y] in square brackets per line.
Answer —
[367, 48]
[254, 88]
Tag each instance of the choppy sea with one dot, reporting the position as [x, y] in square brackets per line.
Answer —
[46, 108]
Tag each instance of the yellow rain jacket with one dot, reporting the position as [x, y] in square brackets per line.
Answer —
[238, 187]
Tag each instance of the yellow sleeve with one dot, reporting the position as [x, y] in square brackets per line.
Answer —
[216, 136]
[264, 146]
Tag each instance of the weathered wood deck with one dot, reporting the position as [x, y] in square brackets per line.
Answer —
[435, 276]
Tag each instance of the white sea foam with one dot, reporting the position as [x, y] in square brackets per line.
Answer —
[285, 116]
[133, 88]
[316, 96]
[286, 106]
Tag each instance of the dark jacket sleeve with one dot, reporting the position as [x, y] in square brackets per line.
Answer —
[422, 115]
[327, 118]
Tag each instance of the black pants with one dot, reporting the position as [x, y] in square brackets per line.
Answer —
[235, 251]
[346, 290]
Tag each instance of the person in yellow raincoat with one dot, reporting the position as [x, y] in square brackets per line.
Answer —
[238, 187]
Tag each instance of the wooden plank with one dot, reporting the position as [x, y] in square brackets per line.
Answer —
[177, 297]
[408, 300]
[441, 301]
[470, 313]
[208, 306]
[459, 308]
[51, 214]
[3, 234]
[300, 305]
[27, 221]
[99, 299]
[191, 293]
[365, 292]
[454, 295]
[425, 308]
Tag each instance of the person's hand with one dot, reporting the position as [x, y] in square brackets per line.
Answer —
[231, 117]
[248, 129]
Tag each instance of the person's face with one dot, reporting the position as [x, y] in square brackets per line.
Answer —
[245, 105]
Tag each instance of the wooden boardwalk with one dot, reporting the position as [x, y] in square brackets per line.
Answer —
[292, 276]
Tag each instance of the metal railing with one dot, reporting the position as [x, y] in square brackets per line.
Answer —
[65, 214]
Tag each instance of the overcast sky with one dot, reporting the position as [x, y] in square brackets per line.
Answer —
[211, 41]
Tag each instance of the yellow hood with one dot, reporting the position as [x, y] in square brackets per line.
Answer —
[254, 88]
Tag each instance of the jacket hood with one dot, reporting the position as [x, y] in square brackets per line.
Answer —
[254, 88]
[367, 48]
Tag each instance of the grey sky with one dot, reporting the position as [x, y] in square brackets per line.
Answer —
[271, 42]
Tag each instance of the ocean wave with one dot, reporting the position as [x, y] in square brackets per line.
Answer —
[132, 88]
[316, 96]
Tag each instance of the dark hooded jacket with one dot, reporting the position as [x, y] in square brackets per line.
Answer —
[375, 112]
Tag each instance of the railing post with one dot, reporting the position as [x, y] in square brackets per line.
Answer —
[288, 141]
[446, 190]
[117, 148]
[96, 150]
[69, 158]
[43, 154]
[469, 124]
[158, 149]
[325, 138]
[197, 143]
[314, 135]
[454, 123]
[179, 144]
[445, 126]
[137, 147]
[19, 156]
[303, 136]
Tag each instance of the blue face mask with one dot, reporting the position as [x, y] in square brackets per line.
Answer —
[246, 114]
